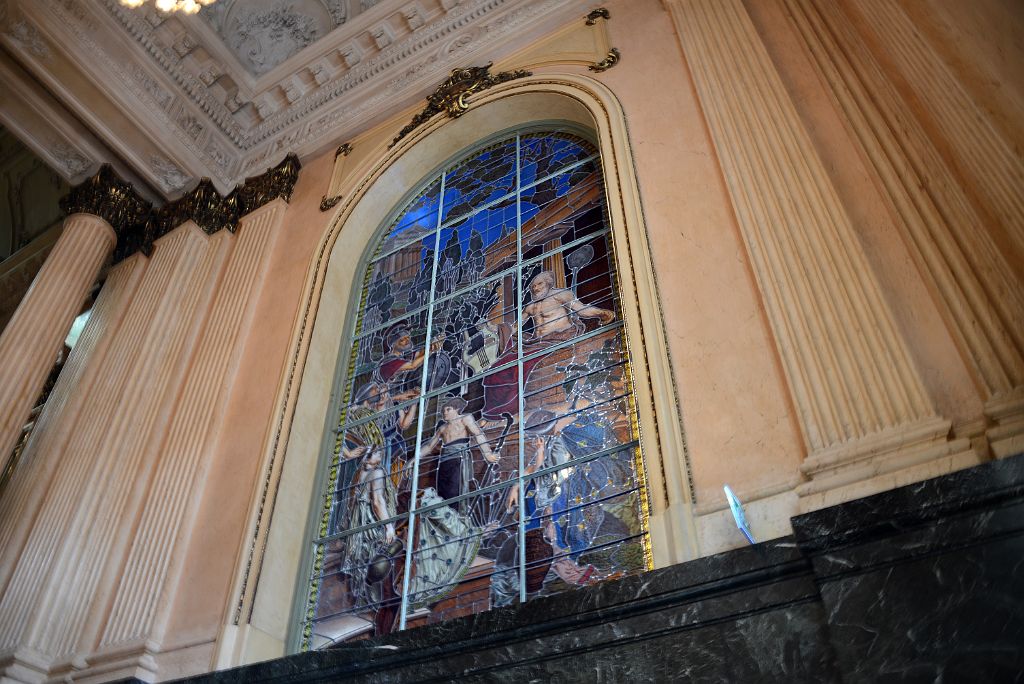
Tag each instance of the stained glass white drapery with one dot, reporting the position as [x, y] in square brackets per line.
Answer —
[486, 451]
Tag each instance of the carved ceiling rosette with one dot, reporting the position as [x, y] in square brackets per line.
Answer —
[264, 33]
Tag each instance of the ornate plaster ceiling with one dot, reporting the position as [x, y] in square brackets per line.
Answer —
[264, 33]
[230, 91]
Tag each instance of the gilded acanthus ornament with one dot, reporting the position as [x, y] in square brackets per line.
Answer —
[112, 199]
[204, 206]
[450, 96]
[599, 13]
[138, 224]
[328, 203]
[608, 62]
[276, 182]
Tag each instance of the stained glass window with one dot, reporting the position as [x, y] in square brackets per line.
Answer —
[486, 451]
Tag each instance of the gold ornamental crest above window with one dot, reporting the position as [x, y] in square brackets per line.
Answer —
[451, 95]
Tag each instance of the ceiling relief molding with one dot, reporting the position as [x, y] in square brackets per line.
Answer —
[264, 35]
[28, 37]
[69, 160]
[163, 106]
[468, 36]
[139, 225]
[263, 24]
[167, 172]
[178, 81]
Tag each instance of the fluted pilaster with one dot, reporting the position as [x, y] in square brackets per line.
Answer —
[35, 334]
[985, 159]
[46, 451]
[979, 293]
[113, 473]
[171, 303]
[184, 454]
[861, 403]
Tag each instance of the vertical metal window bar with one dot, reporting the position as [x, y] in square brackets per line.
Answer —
[411, 529]
[520, 381]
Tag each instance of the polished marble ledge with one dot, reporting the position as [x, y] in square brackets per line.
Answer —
[919, 583]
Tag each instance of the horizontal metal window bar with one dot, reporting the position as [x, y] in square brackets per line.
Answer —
[614, 325]
[488, 205]
[496, 277]
[504, 484]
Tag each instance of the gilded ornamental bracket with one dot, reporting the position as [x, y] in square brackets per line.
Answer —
[608, 62]
[599, 13]
[450, 96]
[328, 203]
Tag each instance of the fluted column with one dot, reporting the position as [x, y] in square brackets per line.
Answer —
[92, 534]
[142, 374]
[35, 335]
[866, 418]
[978, 291]
[44, 455]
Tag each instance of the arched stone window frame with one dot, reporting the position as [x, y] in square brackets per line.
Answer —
[272, 576]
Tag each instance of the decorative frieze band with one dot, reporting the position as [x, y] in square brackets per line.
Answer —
[138, 224]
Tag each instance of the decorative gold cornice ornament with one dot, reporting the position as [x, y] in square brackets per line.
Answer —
[328, 203]
[138, 224]
[277, 182]
[599, 13]
[204, 206]
[608, 62]
[450, 96]
[112, 199]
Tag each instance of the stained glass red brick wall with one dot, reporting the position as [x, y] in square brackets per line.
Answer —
[486, 451]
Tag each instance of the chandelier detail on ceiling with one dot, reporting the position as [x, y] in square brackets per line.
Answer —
[186, 6]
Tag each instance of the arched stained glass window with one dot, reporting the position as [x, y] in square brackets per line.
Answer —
[486, 450]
